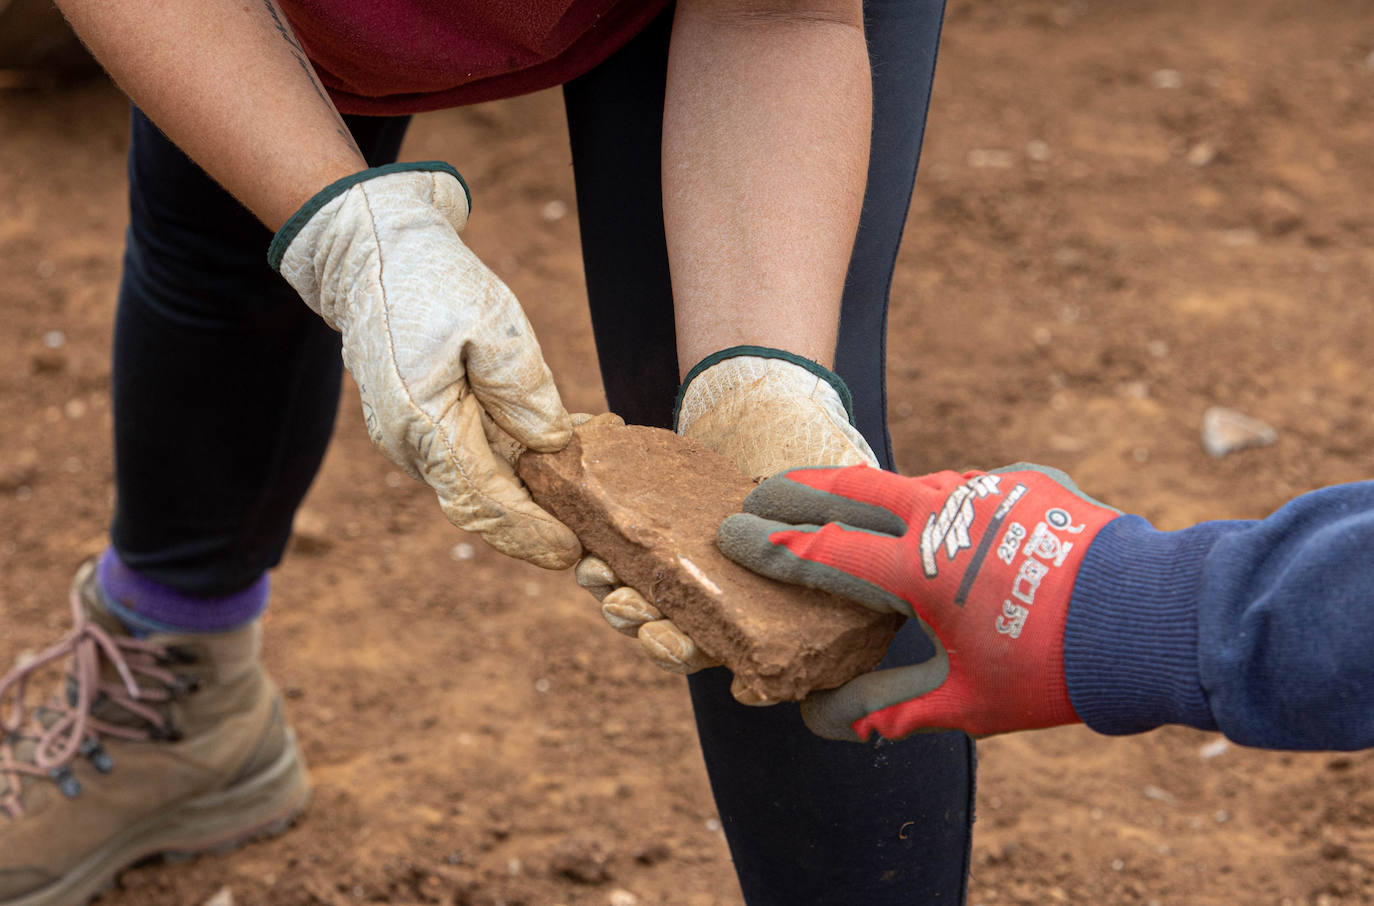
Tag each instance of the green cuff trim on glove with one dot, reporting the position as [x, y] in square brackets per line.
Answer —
[766, 352]
[288, 232]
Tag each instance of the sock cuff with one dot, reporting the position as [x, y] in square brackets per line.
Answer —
[147, 606]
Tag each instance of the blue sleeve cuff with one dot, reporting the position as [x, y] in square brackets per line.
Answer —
[1131, 638]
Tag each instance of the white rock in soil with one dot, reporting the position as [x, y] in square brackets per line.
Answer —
[1202, 154]
[991, 159]
[1159, 794]
[1226, 431]
[1166, 78]
[223, 897]
[1214, 748]
[622, 897]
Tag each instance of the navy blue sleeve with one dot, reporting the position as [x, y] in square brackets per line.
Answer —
[1263, 630]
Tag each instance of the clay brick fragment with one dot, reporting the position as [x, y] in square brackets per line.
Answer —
[648, 503]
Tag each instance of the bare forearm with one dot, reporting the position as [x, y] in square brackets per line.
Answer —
[765, 152]
[229, 83]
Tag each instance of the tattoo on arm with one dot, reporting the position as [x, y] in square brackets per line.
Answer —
[298, 52]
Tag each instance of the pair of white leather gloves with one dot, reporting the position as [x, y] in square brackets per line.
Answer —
[454, 386]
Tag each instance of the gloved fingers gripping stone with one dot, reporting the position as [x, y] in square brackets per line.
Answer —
[605, 418]
[809, 496]
[479, 492]
[596, 576]
[626, 610]
[672, 649]
[832, 713]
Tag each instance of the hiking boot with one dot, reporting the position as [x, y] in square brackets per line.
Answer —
[171, 744]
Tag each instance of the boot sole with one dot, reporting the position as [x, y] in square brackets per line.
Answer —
[264, 805]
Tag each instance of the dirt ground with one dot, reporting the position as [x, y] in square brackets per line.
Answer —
[1126, 213]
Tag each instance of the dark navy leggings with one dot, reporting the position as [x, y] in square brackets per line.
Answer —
[212, 345]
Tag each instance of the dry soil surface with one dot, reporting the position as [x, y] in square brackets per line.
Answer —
[1126, 213]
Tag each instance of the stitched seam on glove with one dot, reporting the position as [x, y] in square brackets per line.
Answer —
[442, 437]
[429, 421]
[767, 352]
[277, 250]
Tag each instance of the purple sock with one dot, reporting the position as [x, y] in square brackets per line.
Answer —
[148, 606]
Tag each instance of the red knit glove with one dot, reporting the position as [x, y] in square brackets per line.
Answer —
[986, 561]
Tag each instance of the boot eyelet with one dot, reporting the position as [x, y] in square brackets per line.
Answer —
[186, 684]
[67, 784]
[98, 757]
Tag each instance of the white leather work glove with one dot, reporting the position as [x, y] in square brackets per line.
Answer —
[453, 384]
[766, 410]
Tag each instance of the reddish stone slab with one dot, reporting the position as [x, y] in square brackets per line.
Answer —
[648, 503]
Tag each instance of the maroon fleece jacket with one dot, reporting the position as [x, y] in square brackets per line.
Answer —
[382, 57]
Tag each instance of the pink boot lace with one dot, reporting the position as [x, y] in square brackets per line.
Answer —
[75, 730]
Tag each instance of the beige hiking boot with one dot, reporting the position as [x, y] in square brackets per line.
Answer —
[173, 744]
